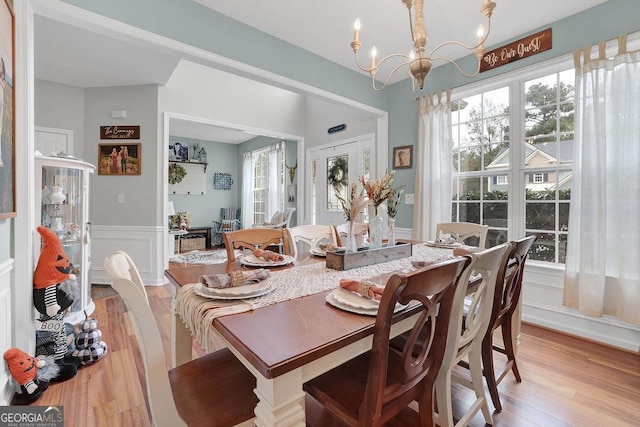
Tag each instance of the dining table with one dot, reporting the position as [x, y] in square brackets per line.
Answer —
[292, 337]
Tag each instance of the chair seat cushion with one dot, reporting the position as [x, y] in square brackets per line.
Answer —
[225, 398]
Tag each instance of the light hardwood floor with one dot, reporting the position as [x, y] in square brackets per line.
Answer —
[567, 381]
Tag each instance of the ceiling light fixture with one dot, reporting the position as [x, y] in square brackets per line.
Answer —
[419, 63]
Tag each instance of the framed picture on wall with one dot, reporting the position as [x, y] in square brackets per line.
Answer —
[7, 113]
[119, 159]
[403, 157]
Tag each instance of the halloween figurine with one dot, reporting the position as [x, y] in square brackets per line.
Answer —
[31, 373]
[54, 290]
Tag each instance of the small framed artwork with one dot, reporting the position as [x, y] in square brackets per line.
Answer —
[403, 157]
[179, 152]
[7, 115]
[222, 181]
[119, 159]
[292, 191]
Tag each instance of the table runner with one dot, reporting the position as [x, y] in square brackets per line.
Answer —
[198, 312]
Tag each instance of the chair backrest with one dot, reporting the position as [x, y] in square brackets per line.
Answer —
[149, 340]
[230, 213]
[467, 233]
[311, 235]
[121, 265]
[432, 289]
[509, 282]
[468, 325]
[256, 238]
[360, 229]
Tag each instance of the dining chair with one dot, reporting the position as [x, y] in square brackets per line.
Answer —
[467, 233]
[281, 219]
[468, 324]
[311, 235]
[213, 390]
[360, 229]
[506, 299]
[376, 386]
[229, 221]
[256, 238]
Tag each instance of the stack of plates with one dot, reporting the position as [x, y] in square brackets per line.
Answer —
[237, 292]
[254, 261]
[350, 301]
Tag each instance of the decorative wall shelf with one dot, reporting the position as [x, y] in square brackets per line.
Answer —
[191, 163]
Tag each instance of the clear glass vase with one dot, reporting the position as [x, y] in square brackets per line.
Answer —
[375, 231]
[391, 223]
[351, 244]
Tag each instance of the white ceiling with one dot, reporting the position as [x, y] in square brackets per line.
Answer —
[78, 57]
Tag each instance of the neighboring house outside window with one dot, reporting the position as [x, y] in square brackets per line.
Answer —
[513, 156]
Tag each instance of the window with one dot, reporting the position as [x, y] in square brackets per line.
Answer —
[264, 184]
[512, 157]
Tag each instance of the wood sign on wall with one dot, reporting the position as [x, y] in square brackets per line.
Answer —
[523, 48]
[119, 132]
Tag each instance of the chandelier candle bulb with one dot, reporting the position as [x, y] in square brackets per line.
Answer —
[356, 30]
[480, 33]
[374, 53]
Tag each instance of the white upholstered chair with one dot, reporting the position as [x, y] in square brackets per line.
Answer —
[311, 235]
[467, 233]
[183, 395]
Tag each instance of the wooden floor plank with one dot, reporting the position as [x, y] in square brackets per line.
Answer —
[567, 381]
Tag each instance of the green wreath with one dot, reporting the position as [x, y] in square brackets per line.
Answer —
[176, 173]
[338, 173]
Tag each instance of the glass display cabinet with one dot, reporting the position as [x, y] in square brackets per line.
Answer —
[62, 197]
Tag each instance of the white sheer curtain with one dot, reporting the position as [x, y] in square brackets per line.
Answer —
[275, 201]
[603, 254]
[433, 165]
[247, 190]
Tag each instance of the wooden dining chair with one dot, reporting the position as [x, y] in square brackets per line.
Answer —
[468, 324]
[467, 233]
[378, 385]
[256, 238]
[311, 235]
[360, 229]
[507, 296]
[213, 390]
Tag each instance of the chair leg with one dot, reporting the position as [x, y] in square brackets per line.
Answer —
[509, 347]
[443, 399]
[489, 370]
[475, 366]
[426, 408]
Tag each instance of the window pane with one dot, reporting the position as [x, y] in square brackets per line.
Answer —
[540, 216]
[469, 212]
[563, 219]
[544, 248]
[468, 189]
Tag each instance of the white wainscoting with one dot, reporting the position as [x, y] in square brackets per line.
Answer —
[6, 383]
[145, 245]
[542, 292]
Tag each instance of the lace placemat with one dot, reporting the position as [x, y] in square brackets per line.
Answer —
[198, 312]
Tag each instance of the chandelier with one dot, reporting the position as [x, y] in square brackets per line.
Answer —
[419, 63]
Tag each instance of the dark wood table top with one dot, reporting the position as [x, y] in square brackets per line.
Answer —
[284, 336]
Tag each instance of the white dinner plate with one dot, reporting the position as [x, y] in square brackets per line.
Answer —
[331, 300]
[237, 292]
[254, 261]
[349, 301]
[444, 245]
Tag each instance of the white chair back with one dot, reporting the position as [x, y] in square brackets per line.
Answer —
[462, 231]
[360, 229]
[312, 235]
[121, 270]
[467, 326]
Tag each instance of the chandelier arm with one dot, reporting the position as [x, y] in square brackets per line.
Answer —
[442, 58]
[388, 77]
[370, 69]
[465, 46]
